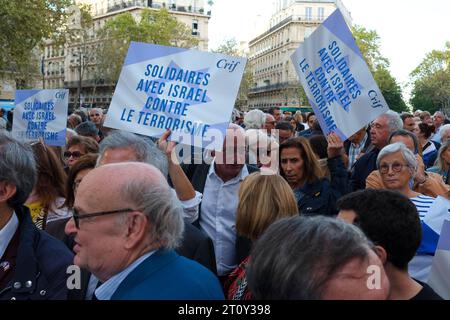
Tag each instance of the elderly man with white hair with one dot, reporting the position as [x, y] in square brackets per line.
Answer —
[126, 224]
[380, 129]
[254, 119]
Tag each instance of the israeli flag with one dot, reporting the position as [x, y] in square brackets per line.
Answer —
[432, 223]
[439, 279]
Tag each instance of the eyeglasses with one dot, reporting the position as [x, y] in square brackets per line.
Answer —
[75, 154]
[396, 167]
[95, 114]
[77, 217]
[376, 126]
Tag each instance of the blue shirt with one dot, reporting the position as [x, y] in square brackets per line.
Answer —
[107, 289]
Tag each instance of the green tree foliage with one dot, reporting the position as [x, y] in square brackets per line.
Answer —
[391, 90]
[154, 26]
[230, 47]
[431, 81]
[368, 42]
[24, 24]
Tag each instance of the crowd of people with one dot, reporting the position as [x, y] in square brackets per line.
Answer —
[304, 216]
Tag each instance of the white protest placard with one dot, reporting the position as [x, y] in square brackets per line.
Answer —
[187, 91]
[337, 80]
[41, 114]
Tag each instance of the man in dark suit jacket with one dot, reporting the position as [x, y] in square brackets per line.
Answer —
[380, 130]
[126, 225]
[221, 206]
[33, 265]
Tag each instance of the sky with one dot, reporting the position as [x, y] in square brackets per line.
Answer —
[408, 29]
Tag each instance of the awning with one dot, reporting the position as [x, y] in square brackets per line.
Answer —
[6, 104]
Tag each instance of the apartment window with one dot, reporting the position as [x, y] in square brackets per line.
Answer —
[308, 13]
[195, 28]
[321, 14]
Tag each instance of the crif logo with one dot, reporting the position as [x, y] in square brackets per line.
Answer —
[374, 100]
[60, 95]
[227, 65]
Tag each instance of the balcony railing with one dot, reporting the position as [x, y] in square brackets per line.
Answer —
[87, 83]
[156, 5]
[273, 87]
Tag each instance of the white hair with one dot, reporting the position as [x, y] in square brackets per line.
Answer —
[444, 128]
[255, 119]
[406, 153]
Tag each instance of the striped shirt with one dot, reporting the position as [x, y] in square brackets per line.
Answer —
[354, 151]
[423, 204]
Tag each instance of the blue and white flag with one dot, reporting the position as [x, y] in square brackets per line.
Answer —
[435, 212]
[41, 114]
[337, 80]
[432, 225]
[439, 278]
[187, 91]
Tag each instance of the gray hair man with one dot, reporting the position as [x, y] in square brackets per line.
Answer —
[123, 146]
[315, 258]
[126, 224]
[254, 119]
[33, 265]
[380, 130]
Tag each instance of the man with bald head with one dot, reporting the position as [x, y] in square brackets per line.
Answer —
[219, 182]
[126, 225]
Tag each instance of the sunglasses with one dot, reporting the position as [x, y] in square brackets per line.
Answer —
[75, 154]
[77, 217]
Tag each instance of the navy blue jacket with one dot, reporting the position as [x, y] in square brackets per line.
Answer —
[319, 197]
[363, 168]
[41, 264]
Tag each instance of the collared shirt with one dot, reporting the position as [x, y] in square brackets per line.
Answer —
[7, 233]
[107, 289]
[190, 207]
[436, 137]
[355, 150]
[218, 217]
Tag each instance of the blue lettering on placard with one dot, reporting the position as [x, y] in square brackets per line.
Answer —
[60, 95]
[375, 101]
[230, 66]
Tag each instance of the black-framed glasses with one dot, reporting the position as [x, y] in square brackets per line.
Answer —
[77, 217]
[396, 167]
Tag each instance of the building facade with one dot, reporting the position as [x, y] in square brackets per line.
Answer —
[275, 82]
[64, 66]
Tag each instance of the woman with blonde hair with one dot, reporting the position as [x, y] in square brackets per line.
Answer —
[263, 199]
